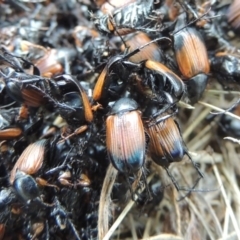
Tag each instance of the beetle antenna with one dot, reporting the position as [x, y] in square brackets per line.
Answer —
[228, 109]
[8, 105]
[191, 22]
[145, 45]
[172, 179]
[125, 45]
[190, 190]
[179, 188]
[195, 165]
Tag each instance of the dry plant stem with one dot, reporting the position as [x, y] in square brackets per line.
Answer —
[133, 229]
[192, 231]
[234, 221]
[185, 105]
[203, 157]
[123, 214]
[235, 190]
[194, 124]
[202, 142]
[177, 223]
[232, 183]
[218, 109]
[177, 211]
[119, 220]
[232, 139]
[164, 237]
[198, 202]
[212, 212]
[226, 219]
[201, 218]
[230, 170]
[222, 91]
[156, 220]
[230, 236]
[147, 228]
[105, 201]
[201, 134]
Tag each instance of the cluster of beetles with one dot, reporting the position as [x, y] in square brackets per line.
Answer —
[85, 84]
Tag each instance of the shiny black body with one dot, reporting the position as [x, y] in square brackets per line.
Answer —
[226, 68]
[25, 186]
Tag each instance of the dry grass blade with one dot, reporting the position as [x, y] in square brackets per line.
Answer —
[221, 91]
[194, 124]
[164, 237]
[199, 136]
[133, 229]
[226, 220]
[230, 236]
[147, 228]
[201, 218]
[185, 105]
[213, 214]
[232, 139]
[231, 212]
[119, 220]
[105, 201]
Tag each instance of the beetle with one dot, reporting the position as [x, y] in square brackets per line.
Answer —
[127, 18]
[34, 91]
[85, 105]
[225, 67]
[110, 6]
[26, 88]
[10, 133]
[48, 61]
[192, 58]
[125, 137]
[157, 71]
[31, 160]
[229, 126]
[165, 140]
